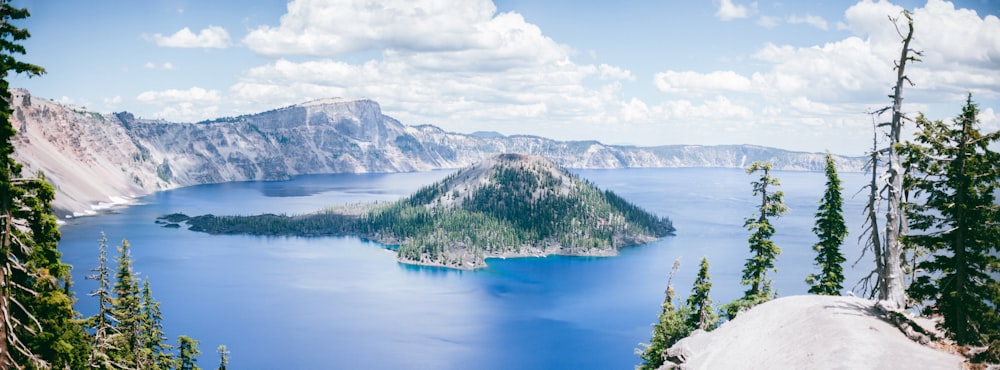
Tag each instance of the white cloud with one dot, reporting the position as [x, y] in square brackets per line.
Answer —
[819, 90]
[210, 37]
[176, 95]
[728, 10]
[117, 99]
[167, 66]
[469, 68]
[325, 28]
[812, 20]
[192, 104]
[690, 81]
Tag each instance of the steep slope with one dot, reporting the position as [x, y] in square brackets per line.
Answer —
[97, 158]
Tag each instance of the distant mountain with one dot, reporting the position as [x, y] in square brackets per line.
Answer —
[98, 159]
[510, 205]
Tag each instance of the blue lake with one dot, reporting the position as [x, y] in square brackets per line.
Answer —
[315, 303]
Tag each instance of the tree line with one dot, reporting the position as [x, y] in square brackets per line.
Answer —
[935, 247]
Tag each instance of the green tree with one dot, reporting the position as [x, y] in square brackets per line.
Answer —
[831, 230]
[155, 353]
[223, 356]
[126, 311]
[702, 314]
[102, 322]
[36, 314]
[670, 328]
[958, 177]
[187, 358]
[762, 248]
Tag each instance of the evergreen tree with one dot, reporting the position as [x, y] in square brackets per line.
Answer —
[126, 311]
[670, 329]
[36, 314]
[187, 357]
[155, 353]
[762, 248]
[223, 357]
[102, 322]
[831, 230]
[958, 177]
[702, 314]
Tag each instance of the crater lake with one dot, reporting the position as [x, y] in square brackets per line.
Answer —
[344, 303]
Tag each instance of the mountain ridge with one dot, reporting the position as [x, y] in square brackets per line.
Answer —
[96, 160]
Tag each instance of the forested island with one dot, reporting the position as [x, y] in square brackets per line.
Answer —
[510, 205]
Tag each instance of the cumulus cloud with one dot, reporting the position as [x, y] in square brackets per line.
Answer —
[454, 63]
[211, 37]
[325, 28]
[823, 89]
[689, 81]
[728, 10]
[193, 104]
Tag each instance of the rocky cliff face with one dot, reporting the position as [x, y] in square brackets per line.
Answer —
[98, 159]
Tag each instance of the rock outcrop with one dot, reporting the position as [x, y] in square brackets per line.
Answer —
[99, 159]
[809, 332]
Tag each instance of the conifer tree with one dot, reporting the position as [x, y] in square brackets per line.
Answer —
[831, 230]
[223, 356]
[958, 176]
[702, 314]
[126, 310]
[670, 328]
[762, 248]
[36, 314]
[155, 353]
[187, 358]
[102, 322]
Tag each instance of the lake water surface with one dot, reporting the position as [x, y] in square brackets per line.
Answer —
[343, 303]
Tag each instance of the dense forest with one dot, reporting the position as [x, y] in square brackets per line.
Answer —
[511, 205]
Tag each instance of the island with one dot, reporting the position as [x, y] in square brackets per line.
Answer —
[509, 205]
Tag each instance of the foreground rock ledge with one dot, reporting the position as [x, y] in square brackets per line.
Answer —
[809, 332]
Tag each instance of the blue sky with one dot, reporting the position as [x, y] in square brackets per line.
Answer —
[790, 74]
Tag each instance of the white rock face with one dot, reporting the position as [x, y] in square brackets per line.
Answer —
[810, 332]
[96, 159]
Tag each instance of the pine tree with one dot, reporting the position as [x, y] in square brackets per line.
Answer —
[36, 327]
[223, 356]
[155, 353]
[831, 230]
[126, 310]
[762, 248]
[702, 314]
[958, 176]
[102, 322]
[187, 358]
[670, 328]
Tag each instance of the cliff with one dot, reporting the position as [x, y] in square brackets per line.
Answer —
[97, 159]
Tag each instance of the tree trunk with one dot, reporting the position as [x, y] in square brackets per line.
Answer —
[894, 289]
